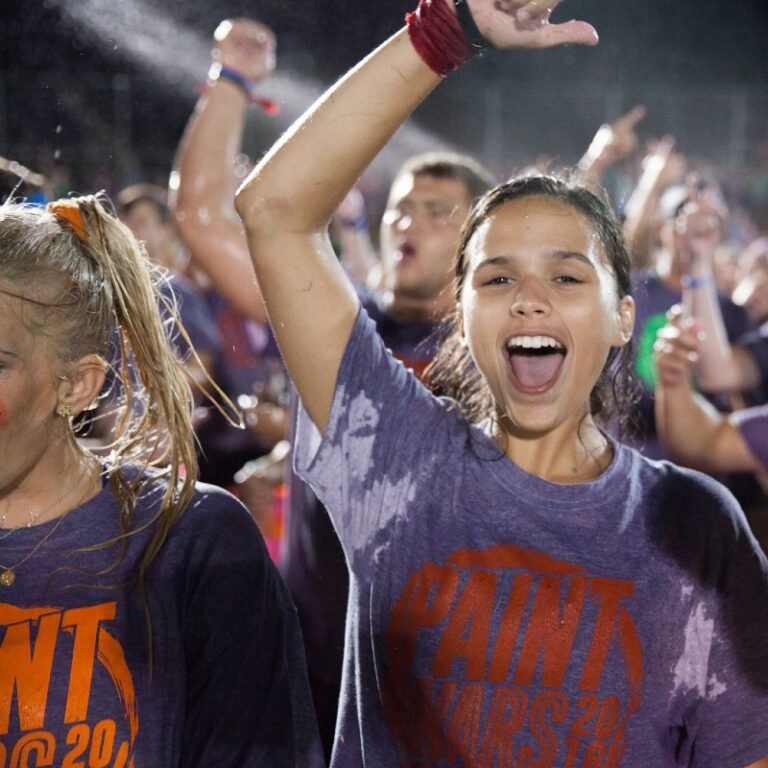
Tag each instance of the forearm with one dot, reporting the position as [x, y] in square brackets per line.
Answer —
[721, 367]
[289, 198]
[686, 423]
[208, 151]
[594, 162]
[591, 171]
[638, 222]
[202, 201]
[714, 370]
[660, 168]
[302, 180]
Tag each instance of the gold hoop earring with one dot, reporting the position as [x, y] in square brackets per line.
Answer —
[64, 410]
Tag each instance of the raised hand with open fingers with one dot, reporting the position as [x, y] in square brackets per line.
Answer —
[612, 143]
[526, 24]
[620, 137]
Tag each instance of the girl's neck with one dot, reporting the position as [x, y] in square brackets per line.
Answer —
[49, 491]
[564, 455]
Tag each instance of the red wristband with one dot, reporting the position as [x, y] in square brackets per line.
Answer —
[438, 37]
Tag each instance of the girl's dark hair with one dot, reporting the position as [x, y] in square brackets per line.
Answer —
[453, 371]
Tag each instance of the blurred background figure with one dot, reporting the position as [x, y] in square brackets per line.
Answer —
[660, 286]
[751, 280]
[694, 432]
[208, 168]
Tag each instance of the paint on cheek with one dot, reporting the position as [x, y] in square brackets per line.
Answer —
[3, 414]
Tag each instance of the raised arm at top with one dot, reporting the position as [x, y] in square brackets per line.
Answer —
[289, 198]
[204, 182]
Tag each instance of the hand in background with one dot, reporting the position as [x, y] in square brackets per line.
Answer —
[245, 46]
[613, 142]
[676, 349]
[525, 24]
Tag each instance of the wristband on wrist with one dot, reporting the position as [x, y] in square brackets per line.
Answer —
[696, 282]
[218, 72]
[476, 39]
[359, 224]
[437, 36]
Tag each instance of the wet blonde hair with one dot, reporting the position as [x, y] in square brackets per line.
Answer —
[90, 285]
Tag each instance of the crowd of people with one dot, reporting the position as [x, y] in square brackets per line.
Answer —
[489, 488]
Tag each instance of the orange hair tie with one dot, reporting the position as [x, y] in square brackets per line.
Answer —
[69, 211]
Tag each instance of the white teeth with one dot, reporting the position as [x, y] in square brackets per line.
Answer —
[533, 342]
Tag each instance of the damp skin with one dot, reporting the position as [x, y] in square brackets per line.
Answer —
[536, 269]
[29, 444]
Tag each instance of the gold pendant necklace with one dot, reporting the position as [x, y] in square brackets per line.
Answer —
[8, 575]
[32, 519]
[8, 572]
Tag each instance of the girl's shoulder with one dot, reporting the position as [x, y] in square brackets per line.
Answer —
[211, 503]
[208, 506]
[683, 502]
[665, 478]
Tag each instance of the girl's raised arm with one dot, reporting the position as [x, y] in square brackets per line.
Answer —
[288, 199]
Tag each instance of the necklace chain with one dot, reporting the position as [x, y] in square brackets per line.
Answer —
[8, 572]
[35, 514]
[32, 519]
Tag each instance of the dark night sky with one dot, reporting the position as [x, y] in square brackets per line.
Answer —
[55, 73]
[687, 39]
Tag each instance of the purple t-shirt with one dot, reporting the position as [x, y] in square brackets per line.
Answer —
[313, 563]
[227, 686]
[753, 425]
[498, 619]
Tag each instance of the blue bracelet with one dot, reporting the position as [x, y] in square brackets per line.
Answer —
[695, 282]
[360, 224]
[238, 79]
[248, 86]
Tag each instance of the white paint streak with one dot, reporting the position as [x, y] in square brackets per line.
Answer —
[715, 688]
[691, 668]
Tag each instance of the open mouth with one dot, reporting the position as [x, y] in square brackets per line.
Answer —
[407, 251]
[535, 362]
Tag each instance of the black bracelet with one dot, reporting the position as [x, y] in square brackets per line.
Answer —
[474, 35]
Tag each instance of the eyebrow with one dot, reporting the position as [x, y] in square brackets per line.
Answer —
[8, 353]
[500, 261]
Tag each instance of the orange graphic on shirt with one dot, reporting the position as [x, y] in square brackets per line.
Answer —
[33, 641]
[509, 658]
